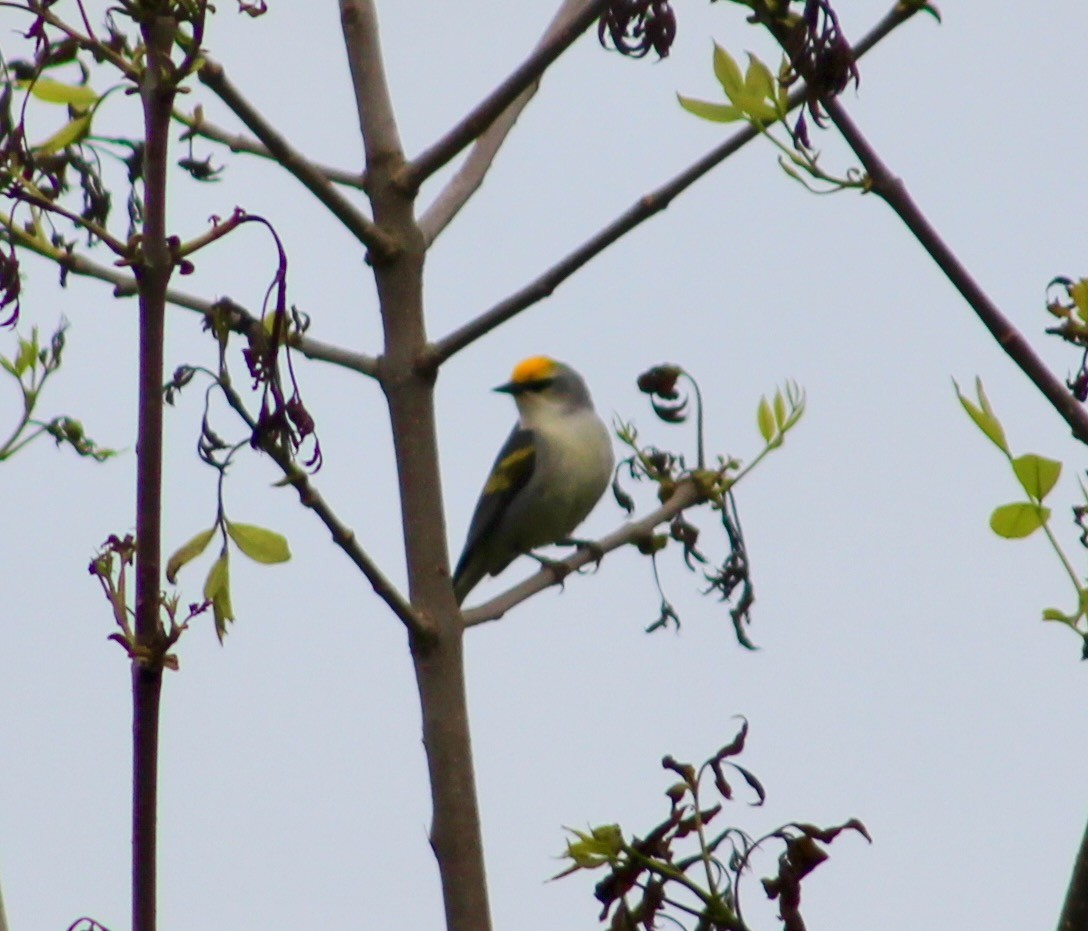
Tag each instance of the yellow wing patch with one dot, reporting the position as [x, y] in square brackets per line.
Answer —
[508, 471]
[535, 368]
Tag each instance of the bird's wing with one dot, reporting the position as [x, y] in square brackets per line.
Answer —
[512, 469]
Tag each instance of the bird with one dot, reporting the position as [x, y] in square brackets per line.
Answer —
[548, 476]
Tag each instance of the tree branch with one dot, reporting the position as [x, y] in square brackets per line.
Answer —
[456, 836]
[894, 193]
[645, 207]
[236, 142]
[342, 535]
[153, 270]
[381, 139]
[565, 28]
[382, 246]
[241, 320]
[685, 495]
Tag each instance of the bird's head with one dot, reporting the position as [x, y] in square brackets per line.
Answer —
[540, 384]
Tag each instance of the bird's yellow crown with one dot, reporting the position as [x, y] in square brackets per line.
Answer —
[535, 368]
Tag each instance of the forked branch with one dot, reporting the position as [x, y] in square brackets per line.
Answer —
[472, 171]
[342, 535]
[413, 174]
[381, 245]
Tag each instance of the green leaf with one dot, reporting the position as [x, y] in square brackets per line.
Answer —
[217, 591]
[1053, 614]
[758, 98]
[79, 96]
[759, 82]
[602, 845]
[715, 112]
[26, 358]
[69, 134]
[1016, 521]
[765, 420]
[187, 552]
[223, 612]
[983, 416]
[727, 71]
[1036, 474]
[259, 544]
[780, 414]
[218, 578]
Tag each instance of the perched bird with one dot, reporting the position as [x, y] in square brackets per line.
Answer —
[546, 479]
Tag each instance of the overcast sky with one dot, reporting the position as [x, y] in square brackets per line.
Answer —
[903, 676]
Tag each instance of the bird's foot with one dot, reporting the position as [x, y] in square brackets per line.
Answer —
[559, 570]
[591, 546]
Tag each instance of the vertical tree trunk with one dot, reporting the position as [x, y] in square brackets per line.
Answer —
[153, 274]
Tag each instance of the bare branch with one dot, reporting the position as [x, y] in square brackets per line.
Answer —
[197, 125]
[685, 495]
[242, 320]
[477, 163]
[342, 535]
[644, 208]
[895, 194]
[484, 114]
[382, 247]
[378, 124]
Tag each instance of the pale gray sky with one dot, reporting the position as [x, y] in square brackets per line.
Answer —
[904, 677]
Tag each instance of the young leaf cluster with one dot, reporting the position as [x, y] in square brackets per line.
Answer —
[761, 99]
[1036, 475]
[667, 469]
[257, 543]
[688, 868]
[111, 566]
[31, 365]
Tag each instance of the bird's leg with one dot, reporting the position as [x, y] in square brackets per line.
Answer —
[594, 548]
[558, 569]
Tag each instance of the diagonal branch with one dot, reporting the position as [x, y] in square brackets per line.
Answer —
[470, 175]
[342, 535]
[382, 246]
[484, 114]
[895, 194]
[241, 320]
[685, 495]
[197, 125]
[644, 208]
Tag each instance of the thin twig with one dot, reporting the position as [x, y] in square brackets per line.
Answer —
[237, 142]
[685, 495]
[425, 164]
[895, 194]
[472, 171]
[241, 320]
[382, 247]
[644, 208]
[342, 535]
